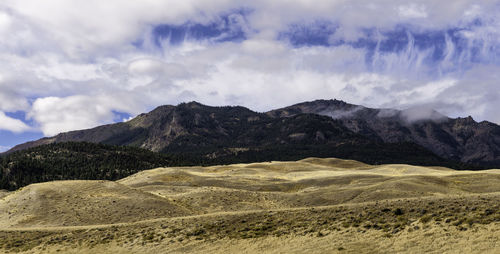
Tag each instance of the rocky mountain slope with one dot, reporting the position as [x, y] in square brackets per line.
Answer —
[319, 128]
[193, 125]
[458, 139]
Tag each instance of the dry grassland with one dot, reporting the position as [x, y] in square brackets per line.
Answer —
[313, 205]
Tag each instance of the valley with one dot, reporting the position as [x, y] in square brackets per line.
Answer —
[314, 205]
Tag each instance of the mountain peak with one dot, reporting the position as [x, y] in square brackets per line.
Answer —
[331, 108]
[192, 104]
[465, 121]
[323, 102]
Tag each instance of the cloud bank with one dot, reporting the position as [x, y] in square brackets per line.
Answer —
[70, 64]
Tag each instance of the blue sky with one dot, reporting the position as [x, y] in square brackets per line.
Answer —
[69, 64]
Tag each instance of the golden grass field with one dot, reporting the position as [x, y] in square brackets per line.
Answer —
[309, 206]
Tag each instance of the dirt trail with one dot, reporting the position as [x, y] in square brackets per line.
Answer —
[248, 212]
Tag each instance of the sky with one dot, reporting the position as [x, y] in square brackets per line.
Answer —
[76, 64]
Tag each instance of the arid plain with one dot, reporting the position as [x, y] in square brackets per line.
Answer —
[313, 205]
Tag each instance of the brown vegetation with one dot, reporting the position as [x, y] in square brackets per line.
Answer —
[314, 205]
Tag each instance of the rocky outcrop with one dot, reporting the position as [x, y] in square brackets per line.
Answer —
[459, 139]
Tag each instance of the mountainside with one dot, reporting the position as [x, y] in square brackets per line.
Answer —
[460, 139]
[76, 160]
[203, 134]
[194, 126]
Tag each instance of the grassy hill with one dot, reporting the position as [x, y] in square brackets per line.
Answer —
[313, 205]
[89, 161]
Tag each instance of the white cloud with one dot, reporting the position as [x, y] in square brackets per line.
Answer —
[56, 68]
[57, 115]
[421, 113]
[70, 64]
[425, 93]
[80, 28]
[5, 21]
[94, 26]
[11, 124]
[412, 11]
[11, 101]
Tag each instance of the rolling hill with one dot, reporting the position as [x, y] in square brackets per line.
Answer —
[313, 205]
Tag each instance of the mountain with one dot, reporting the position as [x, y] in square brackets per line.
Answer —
[201, 134]
[460, 139]
[192, 125]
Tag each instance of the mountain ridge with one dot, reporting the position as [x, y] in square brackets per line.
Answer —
[461, 139]
[194, 127]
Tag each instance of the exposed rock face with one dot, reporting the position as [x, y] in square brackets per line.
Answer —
[193, 126]
[460, 139]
